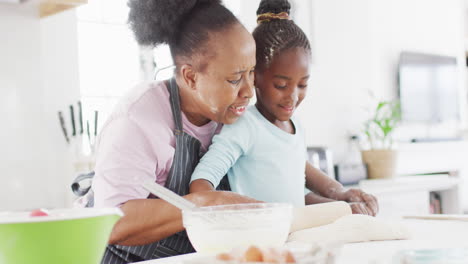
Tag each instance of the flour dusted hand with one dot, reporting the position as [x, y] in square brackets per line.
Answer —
[360, 201]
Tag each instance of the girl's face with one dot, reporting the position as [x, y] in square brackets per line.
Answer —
[225, 84]
[282, 86]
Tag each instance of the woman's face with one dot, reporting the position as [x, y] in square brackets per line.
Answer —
[225, 84]
[282, 86]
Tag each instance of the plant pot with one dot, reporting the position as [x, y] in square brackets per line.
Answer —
[381, 163]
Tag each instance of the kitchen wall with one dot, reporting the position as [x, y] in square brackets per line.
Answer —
[355, 49]
[341, 42]
[356, 45]
[61, 87]
[424, 26]
[378, 30]
[38, 76]
[340, 35]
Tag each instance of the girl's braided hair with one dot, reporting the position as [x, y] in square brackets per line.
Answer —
[275, 32]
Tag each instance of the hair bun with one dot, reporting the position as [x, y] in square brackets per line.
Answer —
[274, 6]
[156, 22]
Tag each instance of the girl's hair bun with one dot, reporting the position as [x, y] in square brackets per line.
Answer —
[274, 6]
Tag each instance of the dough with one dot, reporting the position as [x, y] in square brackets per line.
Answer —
[318, 214]
[352, 228]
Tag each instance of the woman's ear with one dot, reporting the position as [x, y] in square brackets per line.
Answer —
[188, 75]
[257, 76]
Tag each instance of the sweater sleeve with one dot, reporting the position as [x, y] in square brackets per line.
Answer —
[233, 141]
[124, 160]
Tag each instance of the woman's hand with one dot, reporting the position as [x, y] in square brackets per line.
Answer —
[202, 193]
[360, 202]
[210, 198]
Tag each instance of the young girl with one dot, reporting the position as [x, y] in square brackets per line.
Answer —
[264, 153]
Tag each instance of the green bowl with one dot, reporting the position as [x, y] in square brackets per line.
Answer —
[66, 236]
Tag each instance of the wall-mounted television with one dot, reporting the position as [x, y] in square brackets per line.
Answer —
[428, 88]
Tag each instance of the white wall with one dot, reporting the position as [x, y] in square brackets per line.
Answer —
[38, 76]
[356, 45]
[20, 102]
[61, 88]
[342, 46]
[433, 26]
[355, 48]
[340, 36]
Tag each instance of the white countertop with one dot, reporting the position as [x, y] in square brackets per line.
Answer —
[427, 234]
[408, 183]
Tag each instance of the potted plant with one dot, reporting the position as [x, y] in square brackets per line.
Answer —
[379, 155]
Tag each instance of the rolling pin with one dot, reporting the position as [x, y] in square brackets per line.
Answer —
[318, 214]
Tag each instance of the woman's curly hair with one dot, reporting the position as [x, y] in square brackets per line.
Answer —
[183, 24]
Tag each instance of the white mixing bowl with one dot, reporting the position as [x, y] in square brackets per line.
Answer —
[216, 229]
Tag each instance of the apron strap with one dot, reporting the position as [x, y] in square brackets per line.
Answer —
[175, 106]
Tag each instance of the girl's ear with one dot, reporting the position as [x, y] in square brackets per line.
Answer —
[189, 76]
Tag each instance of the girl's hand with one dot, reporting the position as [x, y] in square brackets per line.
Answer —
[361, 208]
[360, 202]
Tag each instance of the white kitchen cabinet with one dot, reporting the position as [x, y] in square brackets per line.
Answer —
[449, 157]
[409, 195]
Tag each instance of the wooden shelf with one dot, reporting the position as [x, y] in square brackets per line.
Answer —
[51, 7]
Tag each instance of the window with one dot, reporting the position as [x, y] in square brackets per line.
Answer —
[110, 60]
[109, 57]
